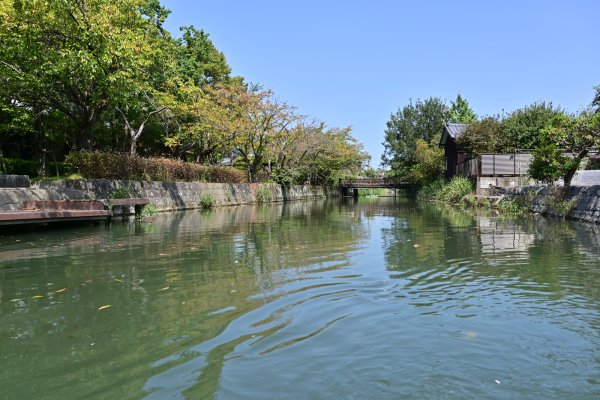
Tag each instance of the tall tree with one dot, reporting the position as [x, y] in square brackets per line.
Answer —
[210, 119]
[421, 120]
[198, 60]
[523, 127]
[267, 119]
[576, 136]
[460, 112]
[77, 55]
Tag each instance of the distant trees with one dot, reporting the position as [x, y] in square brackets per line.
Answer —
[560, 143]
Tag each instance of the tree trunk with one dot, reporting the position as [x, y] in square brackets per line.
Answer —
[86, 135]
[133, 146]
[568, 177]
[40, 146]
[2, 165]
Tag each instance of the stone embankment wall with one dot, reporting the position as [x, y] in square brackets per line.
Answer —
[164, 195]
[580, 203]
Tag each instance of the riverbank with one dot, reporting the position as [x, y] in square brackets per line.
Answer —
[579, 203]
[164, 196]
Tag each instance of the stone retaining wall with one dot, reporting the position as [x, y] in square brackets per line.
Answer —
[582, 202]
[163, 195]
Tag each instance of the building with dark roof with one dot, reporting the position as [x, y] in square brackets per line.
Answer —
[454, 155]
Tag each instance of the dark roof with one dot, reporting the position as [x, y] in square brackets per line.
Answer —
[453, 131]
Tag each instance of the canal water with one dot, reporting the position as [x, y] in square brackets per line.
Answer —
[332, 299]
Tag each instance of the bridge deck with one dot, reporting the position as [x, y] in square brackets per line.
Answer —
[374, 183]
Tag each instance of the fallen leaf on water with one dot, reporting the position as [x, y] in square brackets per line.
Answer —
[38, 296]
[163, 289]
[61, 290]
[417, 245]
[104, 307]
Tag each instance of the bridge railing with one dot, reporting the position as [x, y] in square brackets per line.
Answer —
[371, 183]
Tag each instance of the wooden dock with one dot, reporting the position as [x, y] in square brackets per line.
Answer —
[44, 211]
[47, 211]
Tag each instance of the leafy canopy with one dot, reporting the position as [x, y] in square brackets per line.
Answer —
[420, 120]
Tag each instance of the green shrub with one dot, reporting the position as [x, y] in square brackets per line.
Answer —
[451, 192]
[517, 207]
[21, 167]
[286, 178]
[207, 200]
[148, 210]
[561, 207]
[101, 165]
[263, 194]
[431, 191]
[30, 167]
[456, 189]
[120, 193]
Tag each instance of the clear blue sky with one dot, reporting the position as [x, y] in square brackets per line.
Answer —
[355, 62]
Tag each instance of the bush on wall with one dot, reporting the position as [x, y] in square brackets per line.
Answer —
[102, 165]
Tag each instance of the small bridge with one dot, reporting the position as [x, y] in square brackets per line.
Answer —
[348, 186]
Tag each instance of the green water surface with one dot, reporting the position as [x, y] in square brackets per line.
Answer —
[332, 299]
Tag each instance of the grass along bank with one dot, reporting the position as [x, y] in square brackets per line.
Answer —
[461, 192]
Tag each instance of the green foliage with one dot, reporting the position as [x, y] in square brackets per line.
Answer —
[286, 177]
[198, 60]
[263, 194]
[207, 200]
[556, 203]
[560, 207]
[548, 164]
[431, 191]
[76, 75]
[121, 192]
[429, 163]
[484, 136]
[20, 167]
[515, 207]
[460, 112]
[576, 135]
[523, 128]
[422, 120]
[149, 210]
[452, 192]
[78, 59]
[31, 168]
[100, 165]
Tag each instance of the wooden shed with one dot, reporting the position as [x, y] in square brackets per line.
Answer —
[453, 153]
